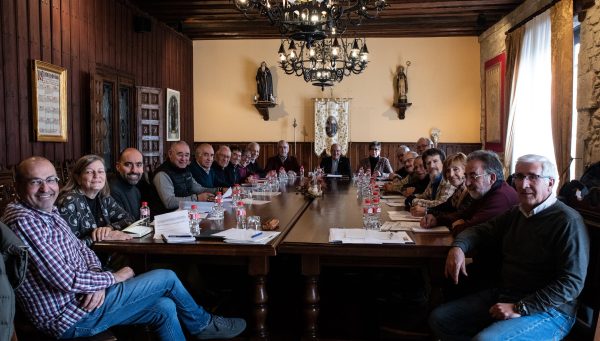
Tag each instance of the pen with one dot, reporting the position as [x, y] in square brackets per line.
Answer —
[179, 235]
[256, 234]
[164, 238]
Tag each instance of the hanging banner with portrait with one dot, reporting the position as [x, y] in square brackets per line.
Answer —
[332, 120]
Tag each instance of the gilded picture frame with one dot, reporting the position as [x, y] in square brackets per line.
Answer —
[494, 75]
[49, 102]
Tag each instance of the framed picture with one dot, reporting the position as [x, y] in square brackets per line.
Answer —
[173, 115]
[49, 96]
[495, 129]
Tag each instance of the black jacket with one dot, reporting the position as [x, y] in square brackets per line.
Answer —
[343, 166]
[12, 274]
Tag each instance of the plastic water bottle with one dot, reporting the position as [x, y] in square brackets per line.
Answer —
[194, 216]
[376, 219]
[217, 211]
[240, 215]
[367, 213]
[145, 213]
[282, 175]
[236, 194]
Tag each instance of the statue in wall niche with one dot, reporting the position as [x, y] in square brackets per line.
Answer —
[264, 84]
[402, 85]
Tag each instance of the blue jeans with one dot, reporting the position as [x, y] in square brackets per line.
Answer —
[468, 318]
[156, 298]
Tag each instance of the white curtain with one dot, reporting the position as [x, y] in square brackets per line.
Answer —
[529, 128]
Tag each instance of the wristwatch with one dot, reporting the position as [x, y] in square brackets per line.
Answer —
[521, 308]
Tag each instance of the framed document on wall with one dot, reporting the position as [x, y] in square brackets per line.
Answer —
[495, 129]
[49, 96]
[173, 118]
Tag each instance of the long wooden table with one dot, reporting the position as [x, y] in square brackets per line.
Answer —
[305, 228]
[340, 207]
[287, 207]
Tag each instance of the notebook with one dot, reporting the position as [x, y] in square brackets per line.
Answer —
[137, 229]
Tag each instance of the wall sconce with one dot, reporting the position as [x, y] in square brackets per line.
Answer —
[402, 89]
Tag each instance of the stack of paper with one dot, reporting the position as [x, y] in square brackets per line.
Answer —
[137, 230]
[241, 236]
[413, 226]
[173, 227]
[403, 216]
[362, 236]
[395, 204]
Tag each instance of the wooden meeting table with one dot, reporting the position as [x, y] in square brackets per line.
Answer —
[286, 207]
[340, 207]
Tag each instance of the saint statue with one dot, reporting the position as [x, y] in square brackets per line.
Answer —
[402, 84]
[264, 83]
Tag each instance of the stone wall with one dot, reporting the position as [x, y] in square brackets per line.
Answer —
[588, 87]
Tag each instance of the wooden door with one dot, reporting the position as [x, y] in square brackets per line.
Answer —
[150, 122]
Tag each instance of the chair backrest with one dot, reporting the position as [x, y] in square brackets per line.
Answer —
[590, 210]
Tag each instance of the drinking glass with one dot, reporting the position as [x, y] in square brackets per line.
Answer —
[254, 222]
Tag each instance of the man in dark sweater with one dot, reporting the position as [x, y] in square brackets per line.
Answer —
[491, 195]
[283, 159]
[123, 189]
[545, 251]
[201, 167]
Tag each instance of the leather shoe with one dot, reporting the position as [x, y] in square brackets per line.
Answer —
[222, 328]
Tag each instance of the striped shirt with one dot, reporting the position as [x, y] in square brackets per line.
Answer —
[61, 269]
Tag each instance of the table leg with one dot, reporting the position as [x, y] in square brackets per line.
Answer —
[311, 271]
[258, 268]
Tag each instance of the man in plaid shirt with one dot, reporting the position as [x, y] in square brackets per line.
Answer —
[65, 292]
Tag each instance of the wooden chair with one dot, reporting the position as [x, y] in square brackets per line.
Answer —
[7, 189]
[589, 328]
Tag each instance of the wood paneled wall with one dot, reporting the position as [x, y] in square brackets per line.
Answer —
[81, 35]
[356, 151]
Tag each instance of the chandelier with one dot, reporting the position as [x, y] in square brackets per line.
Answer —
[310, 20]
[324, 62]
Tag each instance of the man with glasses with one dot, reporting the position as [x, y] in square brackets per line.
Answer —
[174, 182]
[544, 250]
[123, 184]
[336, 163]
[423, 143]
[253, 168]
[398, 183]
[222, 177]
[401, 171]
[491, 195]
[66, 294]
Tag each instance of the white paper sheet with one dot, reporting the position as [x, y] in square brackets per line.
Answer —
[362, 236]
[241, 236]
[171, 224]
[402, 215]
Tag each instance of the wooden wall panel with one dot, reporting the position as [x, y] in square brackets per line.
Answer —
[81, 35]
[356, 151]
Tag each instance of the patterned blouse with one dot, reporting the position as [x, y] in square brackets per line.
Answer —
[444, 191]
[74, 209]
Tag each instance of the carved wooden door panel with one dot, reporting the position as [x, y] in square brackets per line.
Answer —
[150, 121]
[98, 125]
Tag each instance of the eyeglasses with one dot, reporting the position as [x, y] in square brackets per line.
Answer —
[474, 176]
[50, 181]
[529, 177]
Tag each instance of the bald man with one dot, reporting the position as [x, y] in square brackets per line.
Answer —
[123, 184]
[174, 182]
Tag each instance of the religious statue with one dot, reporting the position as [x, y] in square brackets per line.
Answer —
[402, 84]
[264, 84]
